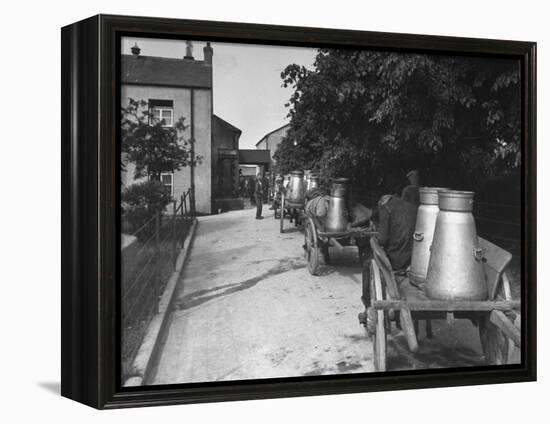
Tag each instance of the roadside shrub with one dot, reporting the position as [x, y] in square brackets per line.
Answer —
[140, 202]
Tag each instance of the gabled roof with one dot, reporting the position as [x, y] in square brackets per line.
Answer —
[254, 157]
[226, 124]
[272, 132]
[151, 70]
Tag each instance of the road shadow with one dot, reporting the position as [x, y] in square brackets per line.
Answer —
[291, 230]
[199, 297]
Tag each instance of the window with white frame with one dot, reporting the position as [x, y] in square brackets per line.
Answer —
[167, 180]
[162, 110]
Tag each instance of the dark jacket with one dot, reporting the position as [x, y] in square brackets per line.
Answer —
[410, 194]
[258, 188]
[397, 220]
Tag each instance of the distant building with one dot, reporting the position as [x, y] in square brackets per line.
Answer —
[225, 159]
[259, 158]
[248, 171]
[272, 139]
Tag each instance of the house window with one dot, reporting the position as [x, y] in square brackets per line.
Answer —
[167, 180]
[162, 110]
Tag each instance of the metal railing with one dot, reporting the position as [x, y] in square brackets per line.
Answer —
[147, 265]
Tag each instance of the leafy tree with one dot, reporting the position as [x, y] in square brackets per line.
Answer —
[371, 116]
[151, 146]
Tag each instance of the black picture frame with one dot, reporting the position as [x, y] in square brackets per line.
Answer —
[90, 211]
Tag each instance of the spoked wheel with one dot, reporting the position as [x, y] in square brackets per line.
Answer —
[311, 248]
[497, 347]
[282, 214]
[379, 341]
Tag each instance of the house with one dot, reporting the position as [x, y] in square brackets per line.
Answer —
[174, 88]
[271, 140]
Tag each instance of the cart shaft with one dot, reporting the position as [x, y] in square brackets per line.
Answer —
[447, 305]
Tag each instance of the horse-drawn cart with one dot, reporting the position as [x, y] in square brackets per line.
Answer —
[387, 301]
[317, 242]
[294, 211]
[292, 201]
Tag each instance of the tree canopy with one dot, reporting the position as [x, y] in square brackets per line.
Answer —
[150, 145]
[371, 116]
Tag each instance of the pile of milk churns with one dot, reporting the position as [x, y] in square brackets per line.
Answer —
[446, 253]
[297, 183]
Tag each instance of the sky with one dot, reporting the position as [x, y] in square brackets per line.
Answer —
[248, 90]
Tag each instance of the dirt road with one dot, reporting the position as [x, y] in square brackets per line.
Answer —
[248, 308]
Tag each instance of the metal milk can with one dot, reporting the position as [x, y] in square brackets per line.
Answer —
[424, 231]
[455, 270]
[296, 189]
[313, 181]
[337, 215]
[307, 175]
[286, 179]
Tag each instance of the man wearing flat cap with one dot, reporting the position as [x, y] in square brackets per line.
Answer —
[410, 192]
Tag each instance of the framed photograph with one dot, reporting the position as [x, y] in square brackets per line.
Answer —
[256, 211]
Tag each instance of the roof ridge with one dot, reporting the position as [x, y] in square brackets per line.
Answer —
[166, 58]
[271, 132]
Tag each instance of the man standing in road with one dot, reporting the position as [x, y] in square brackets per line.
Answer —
[259, 195]
[410, 192]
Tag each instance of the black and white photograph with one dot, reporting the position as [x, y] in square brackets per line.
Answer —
[275, 212]
[289, 211]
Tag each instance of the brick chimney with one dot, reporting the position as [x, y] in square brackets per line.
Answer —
[208, 53]
[189, 50]
[136, 50]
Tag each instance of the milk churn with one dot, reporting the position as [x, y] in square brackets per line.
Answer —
[424, 231]
[455, 270]
[337, 215]
[296, 189]
[307, 175]
[286, 179]
[313, 181]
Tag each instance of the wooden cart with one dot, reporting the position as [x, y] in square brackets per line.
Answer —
[497, 318]
[294, 211]
[317, 242]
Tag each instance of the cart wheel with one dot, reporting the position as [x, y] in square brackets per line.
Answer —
[497, 347]
[275, 215]
[312, 248]
[495, 344]
[282, 214]
[379, 338]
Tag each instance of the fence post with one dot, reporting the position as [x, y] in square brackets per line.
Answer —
[182, 222]
[174, 235]
[192, 201]
[157, 247]
[183, 199]
[184, 203]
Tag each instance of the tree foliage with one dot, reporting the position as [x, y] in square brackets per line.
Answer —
[371, 116]
[151, 146]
